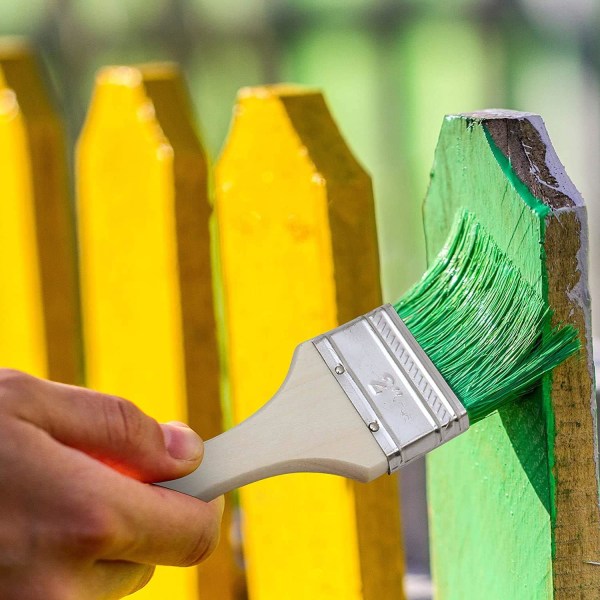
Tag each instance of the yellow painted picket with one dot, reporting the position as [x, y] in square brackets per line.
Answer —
[38, 302]
[145, 272]
[299, 255]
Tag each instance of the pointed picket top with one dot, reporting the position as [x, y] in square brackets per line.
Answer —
[298, 253]
[514, 503]
[149, 324]
[39, 320]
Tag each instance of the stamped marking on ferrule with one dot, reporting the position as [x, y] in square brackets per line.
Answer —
[385, 383]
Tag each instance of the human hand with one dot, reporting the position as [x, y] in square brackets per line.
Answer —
[77, 516]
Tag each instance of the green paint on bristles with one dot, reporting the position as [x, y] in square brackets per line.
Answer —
[483, 326]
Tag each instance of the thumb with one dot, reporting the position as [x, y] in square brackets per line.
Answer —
[110, 429]
[181, 442]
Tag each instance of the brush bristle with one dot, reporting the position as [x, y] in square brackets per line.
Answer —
[481, 324]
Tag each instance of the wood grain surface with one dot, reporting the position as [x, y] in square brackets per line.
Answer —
[514, 502]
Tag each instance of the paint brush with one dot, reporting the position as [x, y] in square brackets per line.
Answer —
[384, 389]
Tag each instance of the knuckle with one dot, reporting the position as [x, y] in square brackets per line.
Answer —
[13, 383]
[123, 420]
[93, 534]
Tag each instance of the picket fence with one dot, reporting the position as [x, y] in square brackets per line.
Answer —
[163, 264]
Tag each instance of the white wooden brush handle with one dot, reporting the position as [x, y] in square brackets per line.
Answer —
[309, 425]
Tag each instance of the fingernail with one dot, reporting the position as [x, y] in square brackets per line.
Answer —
[182, 443]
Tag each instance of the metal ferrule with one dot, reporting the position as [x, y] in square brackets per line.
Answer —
[404, 401]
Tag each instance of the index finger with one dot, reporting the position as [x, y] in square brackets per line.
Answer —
[107, 427]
